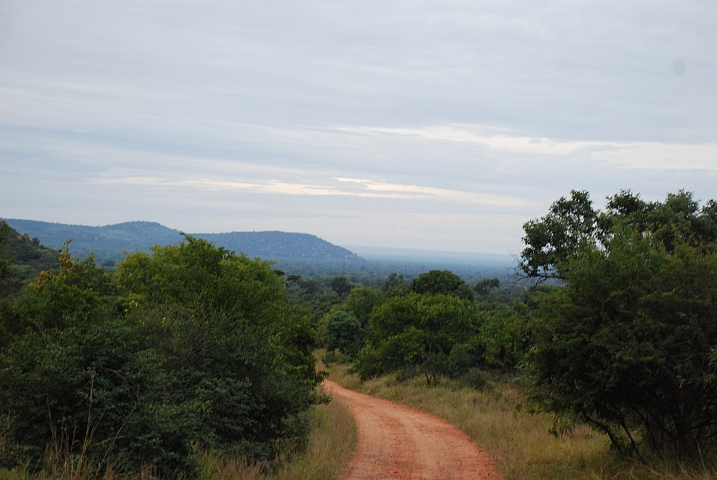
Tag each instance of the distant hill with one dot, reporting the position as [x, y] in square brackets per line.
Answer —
[108, 242]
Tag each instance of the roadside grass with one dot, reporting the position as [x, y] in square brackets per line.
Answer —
[519, 442]
[330, 447]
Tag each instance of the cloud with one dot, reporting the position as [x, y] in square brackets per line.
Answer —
[454, 195]
[643, 155]
[366, 189]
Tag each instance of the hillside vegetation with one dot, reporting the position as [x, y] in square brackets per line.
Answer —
[110, 241]
[25, 258]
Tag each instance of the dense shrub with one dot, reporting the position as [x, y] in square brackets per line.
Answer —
[417, 330]
[344, 332]
[361, 303]
[199, 352]
[506, 336]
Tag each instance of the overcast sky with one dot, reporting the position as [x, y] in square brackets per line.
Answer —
[433, 125]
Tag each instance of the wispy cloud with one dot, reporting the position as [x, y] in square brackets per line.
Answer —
[350, 187]
[456, 195]
[645, 155]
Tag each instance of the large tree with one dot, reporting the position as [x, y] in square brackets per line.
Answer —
[442, 282]
[627, 343]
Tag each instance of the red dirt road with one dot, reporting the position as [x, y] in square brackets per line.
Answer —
[402, 443]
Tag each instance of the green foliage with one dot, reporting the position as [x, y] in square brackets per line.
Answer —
[551, 240]
[21, 260]
[398, 290]
[4, 260]
[76, 294]
[341, 285]
[361, 303]
[572, 223]
[200, 352]
[441, 282]
[344, 332]
[506, 336]
[393, 280]
[416, 330]
[221, 384]
[628, 344]
[75, 388]
[486, 285]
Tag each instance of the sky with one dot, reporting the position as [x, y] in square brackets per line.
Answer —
[403, 124]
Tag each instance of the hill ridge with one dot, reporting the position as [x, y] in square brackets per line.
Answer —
[109, 241]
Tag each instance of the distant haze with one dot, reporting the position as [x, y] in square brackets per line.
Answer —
[436, 256]
[421, 125]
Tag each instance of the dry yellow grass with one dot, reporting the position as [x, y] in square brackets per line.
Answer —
[519, 442]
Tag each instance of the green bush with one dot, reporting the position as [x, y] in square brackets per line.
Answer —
[200, 352]
[417, 330]
[361, 302]
[344, 332]
[629, 345]
[506, 336]
[442, 282]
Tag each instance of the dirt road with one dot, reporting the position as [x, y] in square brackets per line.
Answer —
[402, 443]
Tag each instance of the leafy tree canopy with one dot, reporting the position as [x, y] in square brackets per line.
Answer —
[442, 282]
[417, 331]
[361, 302]
[393, 280]
[341, 285]
[486, 285]
[4, 260]
[573, 222]
[344, 332]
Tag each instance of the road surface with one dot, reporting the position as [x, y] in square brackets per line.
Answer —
[402, 443]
